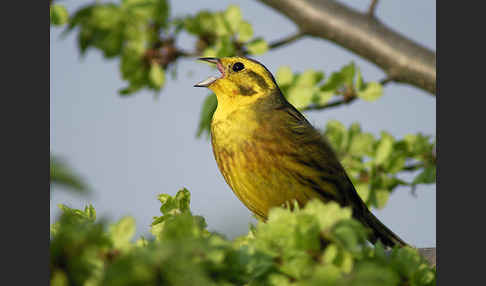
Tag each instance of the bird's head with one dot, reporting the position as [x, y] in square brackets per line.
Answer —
[242, 81]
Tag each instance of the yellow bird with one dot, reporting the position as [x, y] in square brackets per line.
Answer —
[269, 154]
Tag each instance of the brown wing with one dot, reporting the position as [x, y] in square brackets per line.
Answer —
[311, 158]
[308, 156]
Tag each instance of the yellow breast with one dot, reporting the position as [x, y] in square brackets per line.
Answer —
[256, 170]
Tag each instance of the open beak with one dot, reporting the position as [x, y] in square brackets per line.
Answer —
[207, 82]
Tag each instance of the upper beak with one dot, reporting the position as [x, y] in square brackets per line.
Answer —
[211, 79]
[210, 60]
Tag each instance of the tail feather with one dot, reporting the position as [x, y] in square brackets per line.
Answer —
[365, 216]
[380, 231]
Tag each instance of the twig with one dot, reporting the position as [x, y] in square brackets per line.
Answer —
[286, 40]
[279, 43]
[413, 167]
[386, 80]
[372, 8]
[329, 105]
[345, 100]
[186, 54]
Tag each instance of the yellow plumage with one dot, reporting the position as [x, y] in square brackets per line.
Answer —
[269, 154]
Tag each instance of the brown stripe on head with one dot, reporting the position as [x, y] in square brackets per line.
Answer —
[246, 91]
[258, 79]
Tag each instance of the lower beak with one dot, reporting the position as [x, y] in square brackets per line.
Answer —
[207, 82]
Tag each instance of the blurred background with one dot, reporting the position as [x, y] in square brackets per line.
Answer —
[130, 149]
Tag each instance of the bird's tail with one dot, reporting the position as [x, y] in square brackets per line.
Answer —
[380, 231]
[366, 217]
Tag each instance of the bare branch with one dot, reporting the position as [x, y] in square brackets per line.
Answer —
[186, 54]
[346, 99]
[371, 10]
[413, 167]
[330, 105]
[402, 59]
[286, 41]
[277, 44]
[386, 80]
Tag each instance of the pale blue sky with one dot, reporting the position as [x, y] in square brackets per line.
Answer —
[131, 149]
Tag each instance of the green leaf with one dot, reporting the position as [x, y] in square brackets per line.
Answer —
[162, 11]
[348, 72]
[384, 149]
[333, 83]
[257, 47]
[106, 17]
[359, 80]
[221, 27]
[207, 111]
[326, 274]
[209, 53]
[370, 273]
[396, 163]
[175, 204]
[58, 14]
[337, 135]
[284, 76]
[371, 91]
[362, 144]
[224, 47]
[122, 232]
[61, 174]
[427, 176]
[300, 96]
[128, 90]
[322, 97]
[380, 198]
[350, 234]
[363, 191]
[327, 214]
[173, 207]
[156, 75]
[309, 78]
[199, 24]
[59, 278]
[304, 91]
[89, 213]
[245, 31]
[233, 17]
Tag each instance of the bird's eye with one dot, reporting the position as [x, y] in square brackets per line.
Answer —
[238, 66]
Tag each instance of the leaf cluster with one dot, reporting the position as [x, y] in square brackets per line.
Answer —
[223, 33]
[311, 89]
[58, 15]
[320, 244]
[132, 31]
[376, 164]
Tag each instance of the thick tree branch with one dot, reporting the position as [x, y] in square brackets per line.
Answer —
[402, 59]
